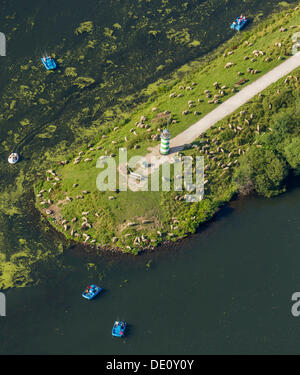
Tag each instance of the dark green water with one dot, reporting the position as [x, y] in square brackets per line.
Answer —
[226, 290]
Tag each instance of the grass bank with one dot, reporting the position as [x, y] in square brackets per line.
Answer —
[240, 153]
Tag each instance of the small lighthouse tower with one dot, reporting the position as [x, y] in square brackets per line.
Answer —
[165, 142]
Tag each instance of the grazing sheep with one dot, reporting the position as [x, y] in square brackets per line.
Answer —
[228, 65]
[87, 238]
[86, 225]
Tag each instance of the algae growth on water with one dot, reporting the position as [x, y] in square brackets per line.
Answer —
[106, 53]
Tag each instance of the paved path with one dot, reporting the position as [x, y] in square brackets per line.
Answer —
[231, 105]
[222, 111]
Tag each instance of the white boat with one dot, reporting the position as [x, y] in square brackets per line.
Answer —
[13, 158]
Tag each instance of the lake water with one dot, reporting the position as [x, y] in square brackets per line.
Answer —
[225, 290]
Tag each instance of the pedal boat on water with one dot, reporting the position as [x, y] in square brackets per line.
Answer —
[239, 23]
[91, 292]
[13, 158]
[119, 329]
[48, 62]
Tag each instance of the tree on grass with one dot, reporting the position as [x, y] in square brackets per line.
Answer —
[292, 154]
[262, 170]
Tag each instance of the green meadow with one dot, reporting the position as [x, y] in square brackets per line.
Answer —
[254, 150]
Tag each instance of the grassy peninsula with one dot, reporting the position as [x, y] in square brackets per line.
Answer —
[254, 150]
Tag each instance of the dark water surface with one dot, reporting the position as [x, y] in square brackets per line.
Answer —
[226, 290]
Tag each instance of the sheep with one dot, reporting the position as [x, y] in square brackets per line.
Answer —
[228, 65]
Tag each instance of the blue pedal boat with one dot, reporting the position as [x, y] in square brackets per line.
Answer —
[48, 62]
[239, 23]
[119, 329]
[91, 292]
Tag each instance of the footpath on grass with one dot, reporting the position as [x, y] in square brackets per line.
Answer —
[223, 110]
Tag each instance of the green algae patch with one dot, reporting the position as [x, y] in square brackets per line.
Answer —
[11, 196]
[14, 275]
[84, 27]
